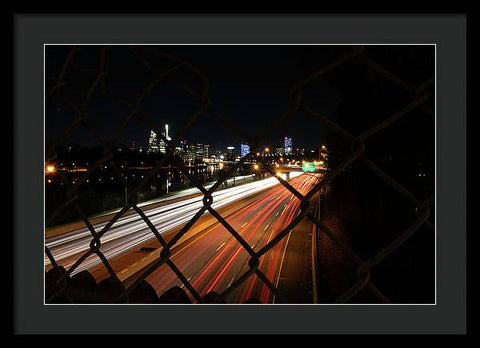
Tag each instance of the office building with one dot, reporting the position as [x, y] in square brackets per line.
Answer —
[157, 144]
[244, 149]
[288, 145]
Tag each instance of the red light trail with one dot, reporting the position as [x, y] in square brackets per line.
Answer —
[212, 261]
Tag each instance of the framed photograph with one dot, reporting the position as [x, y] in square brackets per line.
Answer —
[211, 174]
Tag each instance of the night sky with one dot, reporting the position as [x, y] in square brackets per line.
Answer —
[249, 85]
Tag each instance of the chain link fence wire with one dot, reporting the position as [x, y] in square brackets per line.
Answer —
[63, 287]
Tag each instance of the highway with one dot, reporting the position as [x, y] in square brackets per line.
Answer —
[131, 231]
[214, 259]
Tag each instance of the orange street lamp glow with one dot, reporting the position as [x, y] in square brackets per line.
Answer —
[255, 166]
[267, 149]
[277, 165]
[50, 169]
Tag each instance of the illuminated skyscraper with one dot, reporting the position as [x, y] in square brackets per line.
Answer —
[191, 152]
[152, 143]
[157, 144]
[244, 149]
[161, 143]
[184, 146]
[288, 145]
[201, 151]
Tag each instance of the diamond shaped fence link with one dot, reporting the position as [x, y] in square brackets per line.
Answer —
[357, 146]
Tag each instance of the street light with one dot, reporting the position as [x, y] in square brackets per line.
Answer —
[255, 167]
[51, 169]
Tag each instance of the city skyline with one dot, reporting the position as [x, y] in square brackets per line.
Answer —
[156, 144]
[161, 146]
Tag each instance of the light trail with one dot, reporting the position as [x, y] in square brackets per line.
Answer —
[216, 258]
[131, 231]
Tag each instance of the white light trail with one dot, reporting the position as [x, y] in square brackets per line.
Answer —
[130, 231]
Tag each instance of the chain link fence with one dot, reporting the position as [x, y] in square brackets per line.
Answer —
[62, 287]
